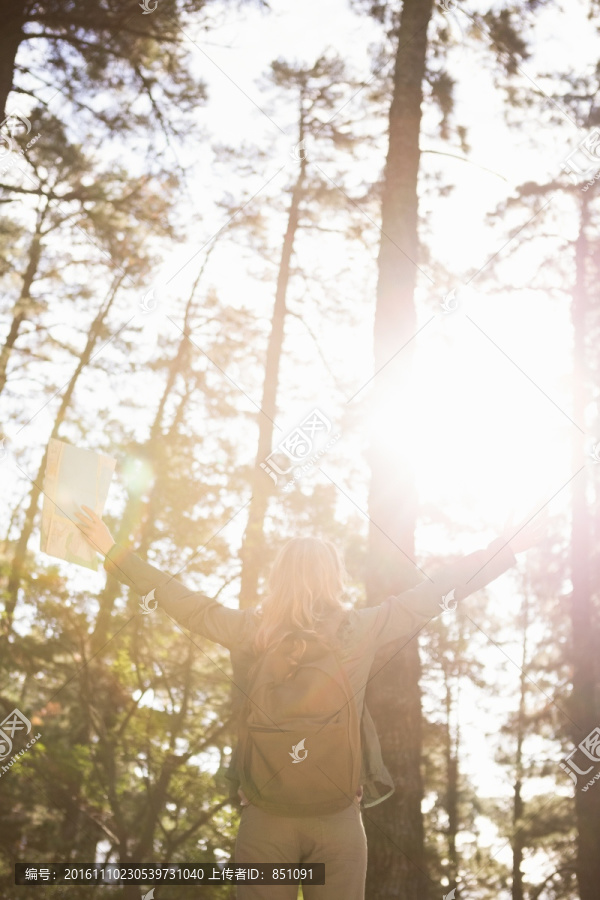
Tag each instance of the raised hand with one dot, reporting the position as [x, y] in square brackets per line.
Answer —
[529, 531]
[95, 530]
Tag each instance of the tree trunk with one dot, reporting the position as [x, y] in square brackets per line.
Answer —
[11, 35]
[518, 838]
[395, 828]
[177, 366]
[252, 550]
[452, 744]
[19, 558]
[22, 306]
[583, 710]
[135, 517]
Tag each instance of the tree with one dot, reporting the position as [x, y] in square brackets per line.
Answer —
[63, 191]
[318, 90]
[98, 47]
[584, 702]
[582, 706]
[395, 829]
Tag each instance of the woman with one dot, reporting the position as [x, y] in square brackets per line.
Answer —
[305, 592]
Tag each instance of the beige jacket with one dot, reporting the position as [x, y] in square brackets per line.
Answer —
[361, 635]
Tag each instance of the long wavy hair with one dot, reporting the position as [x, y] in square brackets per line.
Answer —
[305, 589]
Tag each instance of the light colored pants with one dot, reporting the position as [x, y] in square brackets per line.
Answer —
[338, 840]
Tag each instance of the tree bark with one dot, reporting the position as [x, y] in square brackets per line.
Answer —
[584, 709]
[22, 306]
[518, 838]
[452, 774]
[11, 35]
[252, 553]
[395, 828]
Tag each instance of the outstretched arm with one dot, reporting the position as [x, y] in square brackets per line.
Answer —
[410, 611]
[191, 609]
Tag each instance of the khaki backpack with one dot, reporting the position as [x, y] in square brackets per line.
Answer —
[299, 750]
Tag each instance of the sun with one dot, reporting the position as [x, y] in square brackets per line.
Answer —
[490, 432]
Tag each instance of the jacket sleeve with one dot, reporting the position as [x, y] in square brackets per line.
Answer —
[411, 610]
[194, 611]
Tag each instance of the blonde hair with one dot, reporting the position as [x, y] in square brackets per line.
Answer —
[305, 588]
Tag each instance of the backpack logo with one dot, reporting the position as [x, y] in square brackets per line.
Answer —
[295, 754]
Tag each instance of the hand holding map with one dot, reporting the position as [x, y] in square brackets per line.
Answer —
[73, 477]
[95, 530]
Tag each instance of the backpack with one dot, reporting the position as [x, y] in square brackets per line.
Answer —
[299, 750]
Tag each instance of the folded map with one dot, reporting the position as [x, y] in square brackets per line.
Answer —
[73, 477]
